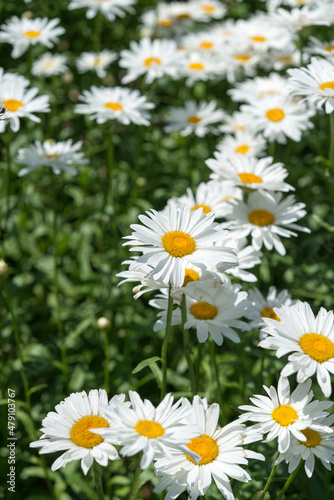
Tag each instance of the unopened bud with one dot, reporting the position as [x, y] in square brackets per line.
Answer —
[258, 495]
[3, 268]
[103, 323]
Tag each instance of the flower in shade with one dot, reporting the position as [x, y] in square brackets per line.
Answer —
[144, 428]
[282, 415]
[117, 103]
[309, 338]
[152, 58]
[60, 156]
[315, 82]
[319, 444]
[258, 88]
[221, 454]
[96, 61]
[242, 144]
[320, 48]
[49, 64]
[263, 307]
[109, 8]
[266, 218]
[199, 66]
[171, 240]
[198, 118]
[21, 33]
[69, 428]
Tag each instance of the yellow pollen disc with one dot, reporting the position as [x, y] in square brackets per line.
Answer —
[317, 346]
[205, 447]
[239, 127]
[194, 119]
[97, 61]
[249, 178]
[242, 58]
[31, 34]
[329, 48]
[49, 156]
[149, 429]
[266, 92]
[152, 60]
[114, 106]
[165, 22]
[203, 310]
[261, 218]
[183, 16]
[285, 59]
[258, 38]
[313, 438]
[242, 149]
[196, 66]
[206, 208]
[285, 415]
[48, 65]
[206, 45]
[12, 104]
[208, 8]
[268, 312]
[178, 243]
[81, 436]
[190, 275]
[275, 114]
[227, 198]
[327, 85]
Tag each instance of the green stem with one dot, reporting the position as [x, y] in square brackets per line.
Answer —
[216, 375]
[98, 481]
[198, 367]
[165, 343]
[271, 149]
[109, 190]
[107, 359]
[185, 333]
[331, 150]
[7, 210]
[135, 481]
[289, 480]
[19, 348]
[97, 32]
[266, 488]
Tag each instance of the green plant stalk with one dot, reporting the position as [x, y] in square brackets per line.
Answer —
[331, 150]
[106, 362]
[97, 32]
[289, 481]
[216, 375]
[98, 481]
[109, 189]
[185, 333]
[7, 210]
[198, 367]
[270, 478]
[135, 481]
[165, 343]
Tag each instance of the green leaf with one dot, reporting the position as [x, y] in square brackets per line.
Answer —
[37, 388]
[146, 362]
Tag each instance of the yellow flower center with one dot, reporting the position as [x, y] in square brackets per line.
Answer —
[203, 310]
[114, 106]
[239, 127]
[183, 16]
[12, 104]
[327, 85]
[227, 198]
[80, 434]
[152, 60]
[48, 65]
[317, 346]
[275, 114]
[284, 415]
[242, 58]
[329, 48]
[261, 218]
[206, 208]
[208, 8]
[285, 59]
[248, 178]
[97, 61]
[194, 119]
[313, 438]
[205, 447]
[268, 312]
[242, 149]
[31, 34]
[165, 23]
[178, 243]
[258, 38]
[206, 45]
[49, 156]
[149, 429]
[196, 66]
[190, 275]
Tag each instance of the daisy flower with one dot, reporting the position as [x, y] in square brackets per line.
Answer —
[320, 48]
[281, 59]
[258, 88]
[21, 33]
[152, 58]
[170, 242]
[109, 8]
[205, 41]
[239, 61]
[261, 36]
[319, 444]
[69, 428]
[206, 10]
[315, 82]
[247, 172]
[242, 144]
[199, 67]
[211, 196]
[282, 415]
[60, 156]
[117, 103]
[20, 102]
[263, 307]
[278, 118]
[236, 122]
[266, 218]
[221, 452]
[310, 339]
[144, 428]
[297, 19]
[96, 61]
[198, 118]
[49, 64]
